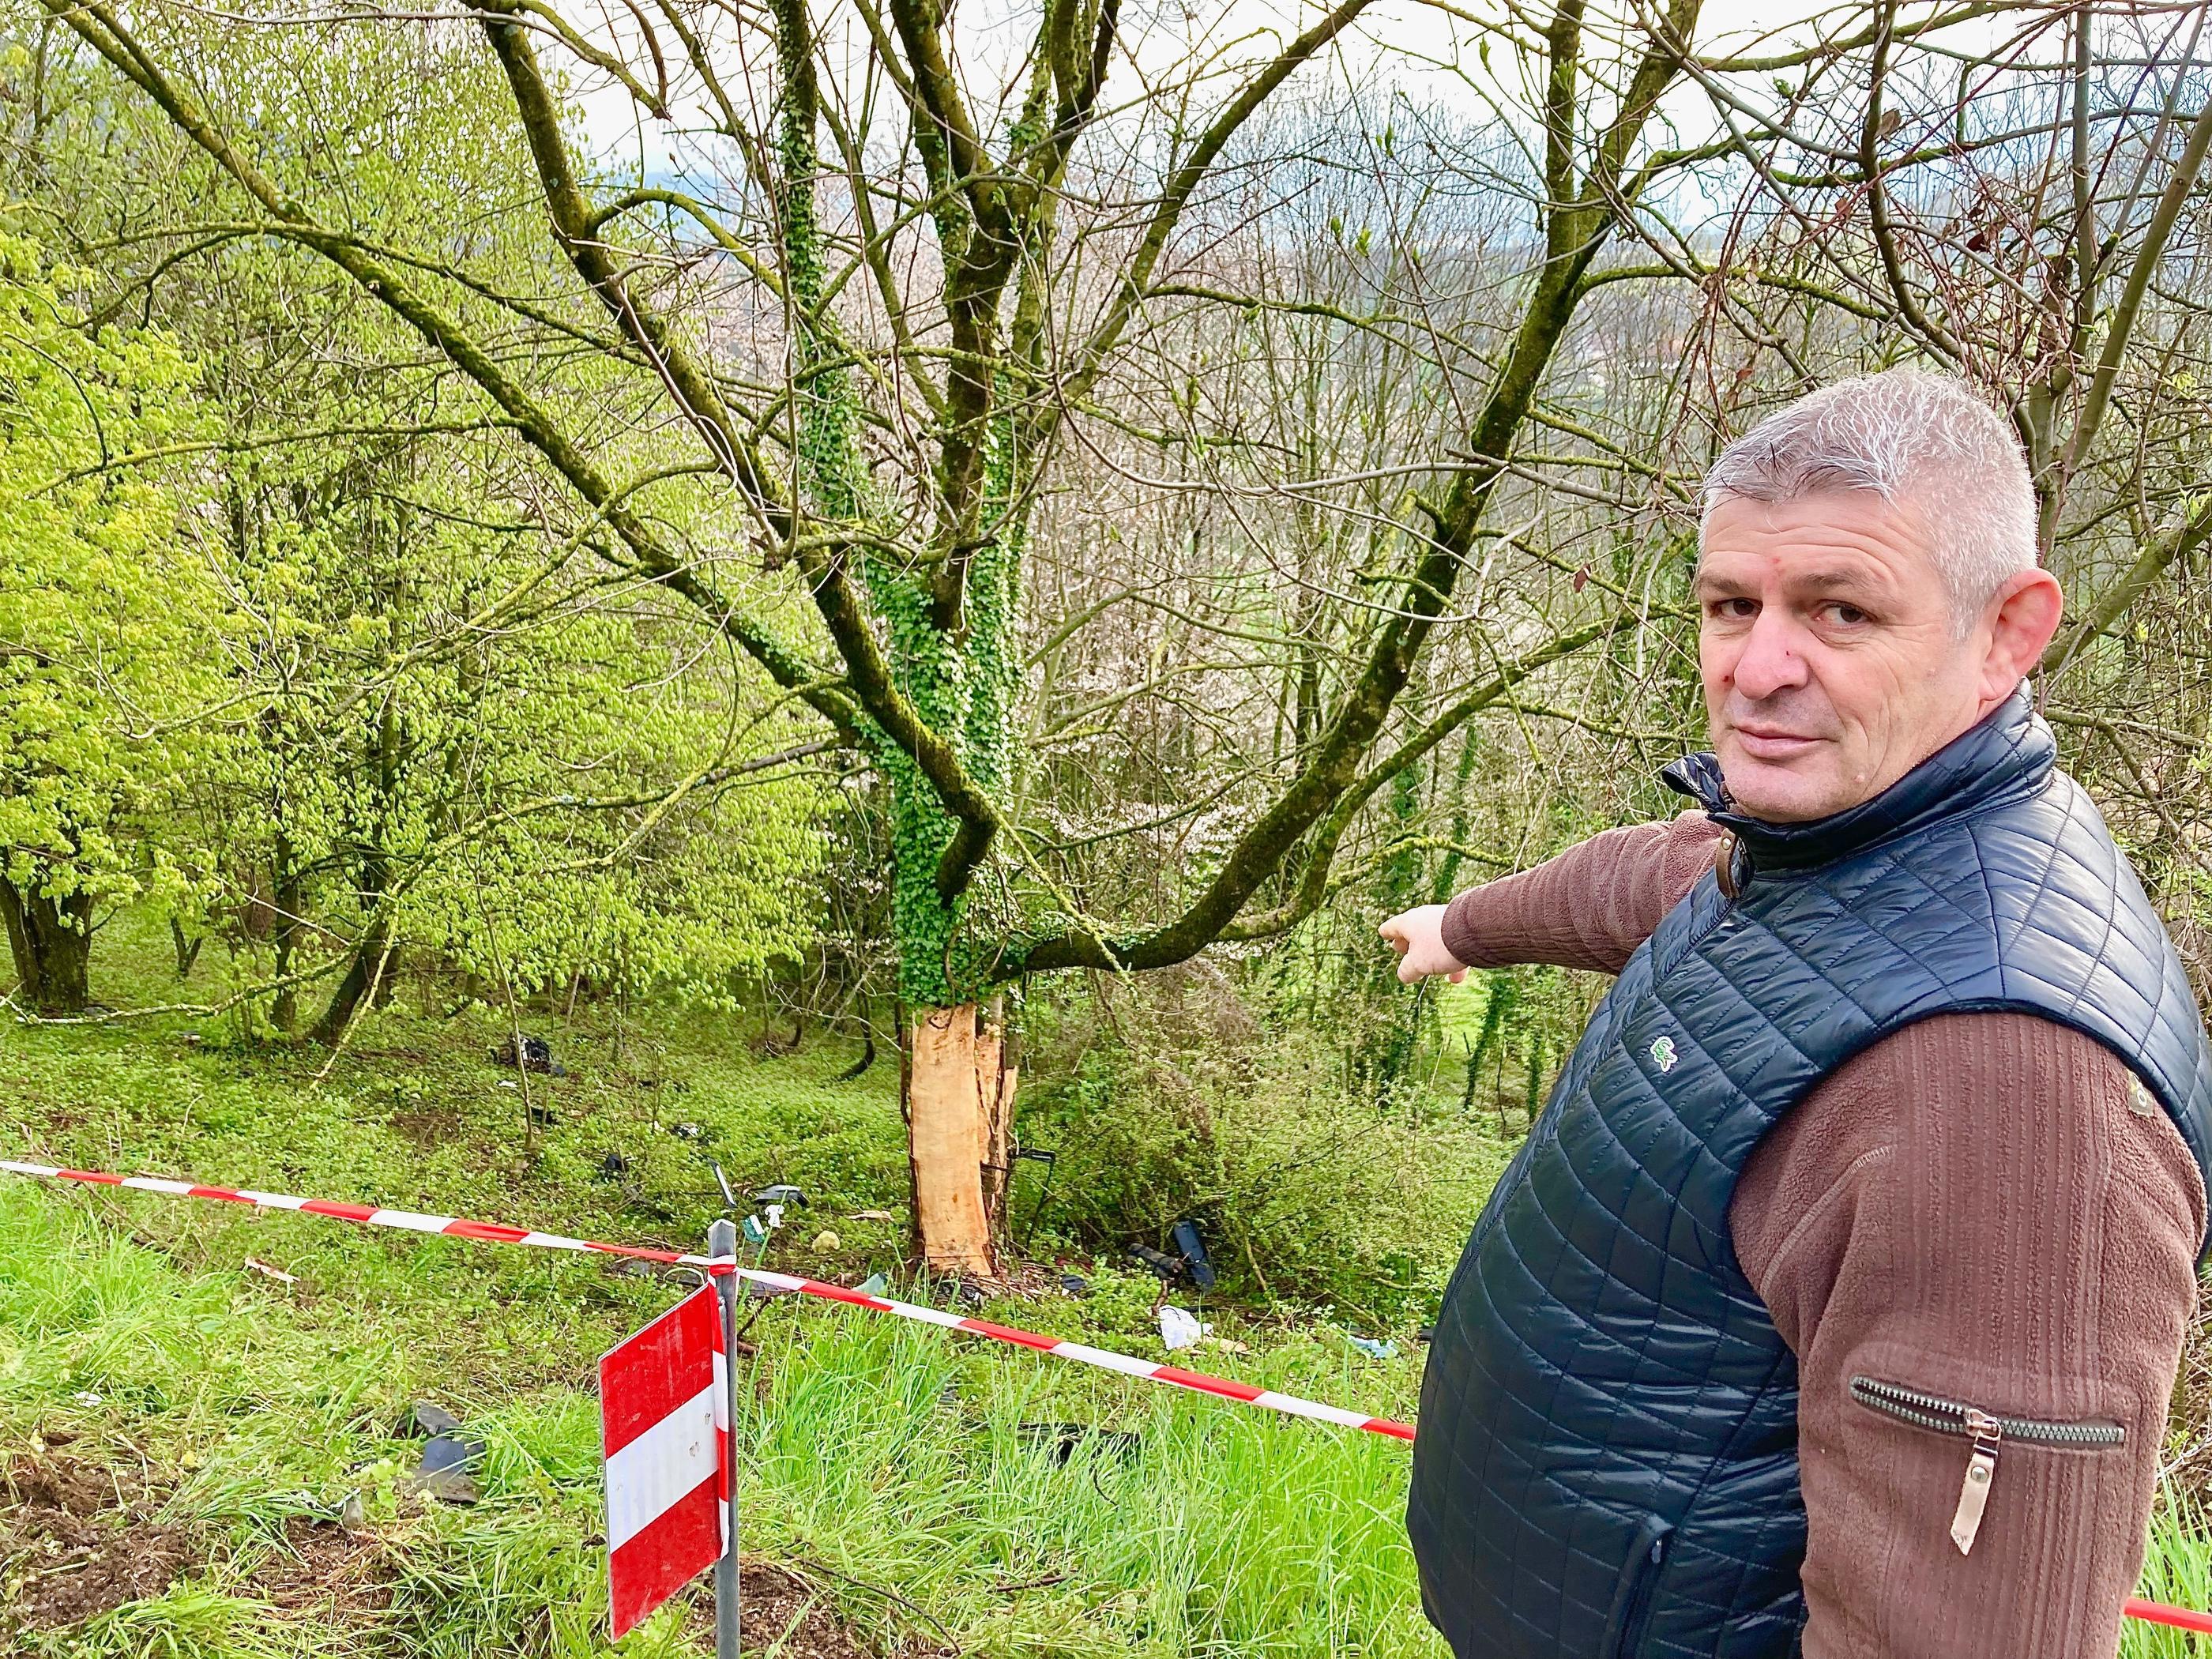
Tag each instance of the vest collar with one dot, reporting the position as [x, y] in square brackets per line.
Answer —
[2010, 752]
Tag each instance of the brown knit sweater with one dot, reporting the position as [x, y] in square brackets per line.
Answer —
[1982, 1207]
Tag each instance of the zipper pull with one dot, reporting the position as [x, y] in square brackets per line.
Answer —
[1981, 1469]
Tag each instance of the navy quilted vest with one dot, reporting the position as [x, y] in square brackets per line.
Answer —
[1607, 1461]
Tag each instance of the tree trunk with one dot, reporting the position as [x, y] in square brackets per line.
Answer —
[187, 947]
[960, 1112]
[284, 1012]
[361, 975]
[367, 974]
[51, 939]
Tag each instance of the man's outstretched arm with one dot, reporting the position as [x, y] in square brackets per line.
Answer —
[1589, 908]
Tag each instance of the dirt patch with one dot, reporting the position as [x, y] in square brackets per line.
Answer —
[78, 1538]
[778, 1609]
[426, 1126]
[324, 1569]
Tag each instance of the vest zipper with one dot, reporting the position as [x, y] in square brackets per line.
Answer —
[1987, 1434]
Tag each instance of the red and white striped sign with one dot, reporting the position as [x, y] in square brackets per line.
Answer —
[663, 1414]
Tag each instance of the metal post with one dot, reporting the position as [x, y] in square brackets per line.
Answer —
[722, 1245]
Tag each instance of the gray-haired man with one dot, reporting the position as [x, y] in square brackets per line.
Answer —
[1836, 1297]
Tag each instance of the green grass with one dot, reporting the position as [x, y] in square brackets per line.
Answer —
[2178, 1570]
[885, 1459]
[883, 1462]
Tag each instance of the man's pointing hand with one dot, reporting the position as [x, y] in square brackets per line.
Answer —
[1418, 937]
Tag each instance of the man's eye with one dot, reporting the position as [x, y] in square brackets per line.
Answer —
[1849, 616]
[1735, 609]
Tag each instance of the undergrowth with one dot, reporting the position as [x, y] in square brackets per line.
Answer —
[241, 1379]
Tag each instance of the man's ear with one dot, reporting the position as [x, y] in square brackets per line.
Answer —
[2023, 619]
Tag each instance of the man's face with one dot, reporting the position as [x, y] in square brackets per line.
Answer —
[1831, 659]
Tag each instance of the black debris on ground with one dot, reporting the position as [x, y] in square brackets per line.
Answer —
[537, 1056]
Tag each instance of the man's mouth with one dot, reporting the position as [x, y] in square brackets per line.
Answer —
[1766, 743]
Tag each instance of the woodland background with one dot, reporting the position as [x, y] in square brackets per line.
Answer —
[928, 574]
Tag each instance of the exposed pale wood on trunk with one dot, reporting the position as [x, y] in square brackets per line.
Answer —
[945, 1105]
[995, 1078]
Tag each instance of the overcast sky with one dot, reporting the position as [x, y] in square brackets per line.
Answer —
[1419, 50]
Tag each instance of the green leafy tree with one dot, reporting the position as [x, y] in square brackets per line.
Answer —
[109, 630]
[937, 345]
[442, 729]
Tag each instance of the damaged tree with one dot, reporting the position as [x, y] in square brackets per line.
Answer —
[947, 335]
[900, 334]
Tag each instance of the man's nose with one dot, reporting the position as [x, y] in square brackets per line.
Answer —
[1772, 659]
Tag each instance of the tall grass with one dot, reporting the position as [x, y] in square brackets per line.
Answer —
[2177, 1571]
[900, 1471]
[891, 1463]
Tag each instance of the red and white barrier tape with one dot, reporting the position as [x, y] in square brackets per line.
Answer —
[2156, 1612]
[492, 1232]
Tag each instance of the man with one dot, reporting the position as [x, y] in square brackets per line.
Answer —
[1837, 1294]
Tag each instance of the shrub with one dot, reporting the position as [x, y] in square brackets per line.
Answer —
[1303, 1195]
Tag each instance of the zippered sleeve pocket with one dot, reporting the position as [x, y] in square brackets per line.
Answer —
[1986, 1435]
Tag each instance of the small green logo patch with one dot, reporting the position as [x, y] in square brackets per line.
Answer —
[1663, 1053]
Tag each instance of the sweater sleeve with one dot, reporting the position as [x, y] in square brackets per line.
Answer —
[1988, 1209]
[1589, 908]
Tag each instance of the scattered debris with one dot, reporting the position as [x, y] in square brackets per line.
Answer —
[687, 1130]
[613, 1167]
[1062, 1440]
[349, 1512]
[873, 1215]
[537, 1056]
[825, 1241]
[1188, 1264]
[448, 1455]
[1179, 1329]
[970, 1293]
[1229, 1345]
[1075, 1284]
[1191, 1249]
[542, 1116]
[874, 1284]
[443, 1472]
[1370, 1347]
[429, 1419]
[268, 1272]
[781, 1195]
[1167, 1267]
